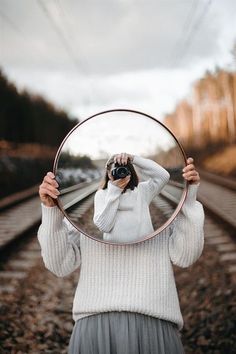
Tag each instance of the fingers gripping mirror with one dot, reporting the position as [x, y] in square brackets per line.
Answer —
[120, 176]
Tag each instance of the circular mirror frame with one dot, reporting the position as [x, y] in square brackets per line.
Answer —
[176, 211]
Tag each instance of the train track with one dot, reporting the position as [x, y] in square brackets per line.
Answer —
[218, 195]
[53, 296]
[20, 217]
[20, 213]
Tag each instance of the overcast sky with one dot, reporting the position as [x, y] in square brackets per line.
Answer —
[88, 56]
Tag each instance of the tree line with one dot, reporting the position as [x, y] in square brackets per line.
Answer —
[26, 118]
[68, 160]
[208, 118]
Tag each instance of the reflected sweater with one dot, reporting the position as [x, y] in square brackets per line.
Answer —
[125, 217]
[137, 277]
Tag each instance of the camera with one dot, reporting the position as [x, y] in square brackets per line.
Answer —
[120, 171]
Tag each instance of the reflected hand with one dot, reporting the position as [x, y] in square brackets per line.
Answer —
[122, 182]
[190, 173]
[123, 158]
[48, 191]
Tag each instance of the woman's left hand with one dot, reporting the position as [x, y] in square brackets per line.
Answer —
[123, 158]
[190, 173]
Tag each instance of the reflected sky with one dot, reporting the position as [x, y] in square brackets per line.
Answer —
[115, 132]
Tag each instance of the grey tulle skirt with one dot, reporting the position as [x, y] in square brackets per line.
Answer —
[124, 333]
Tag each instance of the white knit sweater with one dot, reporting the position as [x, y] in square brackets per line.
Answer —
[138, 277]
[125, 217]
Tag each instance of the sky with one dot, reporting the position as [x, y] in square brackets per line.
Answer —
[144, 138]
[93, 55]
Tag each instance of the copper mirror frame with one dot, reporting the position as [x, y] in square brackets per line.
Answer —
[177, 209]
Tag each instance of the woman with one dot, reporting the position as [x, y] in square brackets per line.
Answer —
[122, 205]
[126, 299]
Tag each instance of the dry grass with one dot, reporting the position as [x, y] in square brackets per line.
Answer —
[223, 162]
[28, 150]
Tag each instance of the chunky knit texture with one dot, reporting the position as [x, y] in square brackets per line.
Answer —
[138, 277]
[125, 217]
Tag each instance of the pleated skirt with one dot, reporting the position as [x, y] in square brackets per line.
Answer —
[124, 333]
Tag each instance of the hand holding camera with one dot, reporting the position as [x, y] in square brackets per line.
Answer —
[123, 158]
[120, 174]
[122, 182]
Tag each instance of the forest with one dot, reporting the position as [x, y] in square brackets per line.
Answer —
[26, 118]
[209, 116]
[31, 130]
[205, 123]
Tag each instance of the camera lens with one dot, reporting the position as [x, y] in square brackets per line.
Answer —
[120, 172]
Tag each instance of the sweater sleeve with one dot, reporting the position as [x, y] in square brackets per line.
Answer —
[59, 241]
[187, 237]
[158, 176]
[106, 203]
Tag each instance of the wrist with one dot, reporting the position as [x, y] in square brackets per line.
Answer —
[48, 203]
[131, 158]
[116, 184]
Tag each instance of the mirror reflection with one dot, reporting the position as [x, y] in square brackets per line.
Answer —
[120, 176]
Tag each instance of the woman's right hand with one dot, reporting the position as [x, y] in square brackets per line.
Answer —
[122, 182]
[48, 191]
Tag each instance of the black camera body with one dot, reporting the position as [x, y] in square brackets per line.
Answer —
[120, 171]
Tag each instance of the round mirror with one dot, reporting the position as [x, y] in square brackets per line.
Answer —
[115, 202]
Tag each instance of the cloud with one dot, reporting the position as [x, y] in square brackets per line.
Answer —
[152, 91]
[88, 56]
[107, 37]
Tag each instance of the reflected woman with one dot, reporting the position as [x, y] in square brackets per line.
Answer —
[126, 300]
[121, 205]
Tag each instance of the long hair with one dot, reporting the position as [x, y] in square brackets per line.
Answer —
[134, 180]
